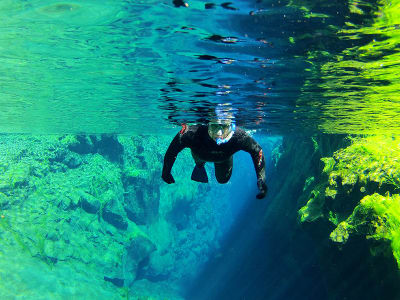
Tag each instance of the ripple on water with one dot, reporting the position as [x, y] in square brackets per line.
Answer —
[60, 8]
[76, 13]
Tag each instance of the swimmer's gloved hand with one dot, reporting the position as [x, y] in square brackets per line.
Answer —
[167, 177]
[263, 189]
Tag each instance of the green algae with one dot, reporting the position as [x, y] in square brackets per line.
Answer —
[357, 192]
[371, 159]
[375, 217]
[313, 209]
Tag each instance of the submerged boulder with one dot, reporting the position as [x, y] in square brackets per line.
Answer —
[353, 210]
[138, 249]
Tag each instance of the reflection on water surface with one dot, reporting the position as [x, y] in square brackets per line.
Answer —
[116, 66]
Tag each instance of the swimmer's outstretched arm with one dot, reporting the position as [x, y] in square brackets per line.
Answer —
[248, 144]
[176, 146]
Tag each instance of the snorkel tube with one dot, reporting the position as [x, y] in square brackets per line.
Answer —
[232, 128]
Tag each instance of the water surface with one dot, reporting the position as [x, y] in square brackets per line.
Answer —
[122, 66]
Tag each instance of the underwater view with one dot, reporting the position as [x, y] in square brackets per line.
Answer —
[200, 150]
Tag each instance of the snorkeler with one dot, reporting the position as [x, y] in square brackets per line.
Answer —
[215, 142]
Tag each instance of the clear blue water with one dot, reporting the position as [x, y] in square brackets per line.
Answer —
[88, 216]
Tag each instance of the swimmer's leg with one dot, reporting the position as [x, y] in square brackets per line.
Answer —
[223, 170]
[199, 173]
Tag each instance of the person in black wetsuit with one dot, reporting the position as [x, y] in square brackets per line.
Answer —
[215, 142]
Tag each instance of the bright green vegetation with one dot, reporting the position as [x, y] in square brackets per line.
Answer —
[376, 217]
[358, 193]
[372, 159]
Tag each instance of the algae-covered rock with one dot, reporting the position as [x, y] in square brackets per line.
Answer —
[138, 249]
[141, 203]
[112, 211]
[4, 201]
[357, 192]
[313, 209]
[341, 233]
[367, 165]
[376, 217]
[74, 200]
[89, 203]
[16, 175]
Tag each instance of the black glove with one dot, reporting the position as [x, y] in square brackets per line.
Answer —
[167, 177]
[263, 189]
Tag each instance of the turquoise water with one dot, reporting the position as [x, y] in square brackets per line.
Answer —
[121, 66]
[91, 95]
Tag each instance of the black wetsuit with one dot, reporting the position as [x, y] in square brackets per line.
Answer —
[205, 149]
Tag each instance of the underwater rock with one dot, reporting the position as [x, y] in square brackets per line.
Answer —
[57, 250]
[116, 281]
[112, 211]
[108, 146]
[180, 213]
[313, 210]
[160, 267]
[341, 233]
[58, 155]
[89, 203]
[141, 203]
[16, 176]
[138, 250]
[375, 217]
[367, 166]
[95, 240]
[82, 145]
[114, 219]
[4, 201]
[353, 210]
[72, 160]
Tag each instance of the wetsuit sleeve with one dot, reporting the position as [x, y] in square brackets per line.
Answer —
[248, 144]
[179, 142]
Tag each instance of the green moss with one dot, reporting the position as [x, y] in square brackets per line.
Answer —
[372, 158]
[341, 233]
[333, 218]
[376, 217]
[124, 292]
[329, 192]
[329, 164]
[369, 165]
[313, 209]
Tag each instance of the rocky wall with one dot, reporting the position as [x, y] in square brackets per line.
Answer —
[91, 212]
[353, 211]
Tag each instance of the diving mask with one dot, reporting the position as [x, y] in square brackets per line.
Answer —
[221, 132]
